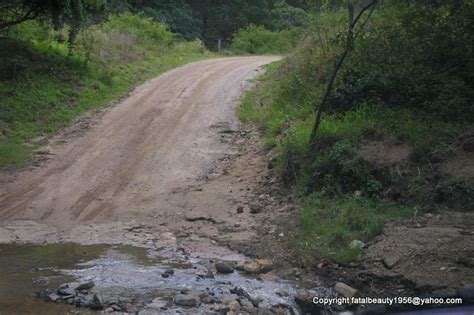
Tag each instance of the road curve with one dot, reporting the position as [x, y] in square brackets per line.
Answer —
[163, 137]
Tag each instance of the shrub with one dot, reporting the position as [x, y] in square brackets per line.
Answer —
[145, 29]
[258, 40]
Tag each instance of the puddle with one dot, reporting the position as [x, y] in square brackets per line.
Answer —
[26, 270]
[121, 273]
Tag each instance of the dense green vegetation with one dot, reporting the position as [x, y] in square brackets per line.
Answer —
[407, 81]
[212, 20]
[43, 87]
[259, 40]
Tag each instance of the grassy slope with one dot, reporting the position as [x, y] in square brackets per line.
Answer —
[346, 203]
[384, 93]
[43, 88]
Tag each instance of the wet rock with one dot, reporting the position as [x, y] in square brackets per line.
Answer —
[222, 309]
[390, 261]
[265, 265]
[240, 209]
[96, 303]
[82, 300]
[234, 308]
[66, 289]
[186, 300]
[345, 290]
[53, 297]
[206, 298]
[224, 267]
[304, 300]
[167, 273]
[84, 286]
[116, 308]
[157, 304]
[124, 300]
[282, 293]
[255, 208]
[356, 244]
[268, 277]
[67, 297]
[247, 306]
[242, 293]
[258, 266]
[129, 307]
[283, 309]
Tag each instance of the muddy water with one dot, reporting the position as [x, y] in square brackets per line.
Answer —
[119, 272]
[26, 270]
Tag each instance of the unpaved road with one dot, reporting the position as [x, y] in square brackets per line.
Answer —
[165, 138]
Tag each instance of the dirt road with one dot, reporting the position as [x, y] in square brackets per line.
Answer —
[163, 139]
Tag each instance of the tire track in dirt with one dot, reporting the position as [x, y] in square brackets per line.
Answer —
[155, 141]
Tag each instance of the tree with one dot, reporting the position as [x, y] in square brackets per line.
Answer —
[350, 38]
[57, 12]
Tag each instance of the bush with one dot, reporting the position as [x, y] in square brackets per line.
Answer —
[258, 40]
[145, 29]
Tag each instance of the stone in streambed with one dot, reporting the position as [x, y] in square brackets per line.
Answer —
[186, 300]
[224, 267]
[66, 289]
[167, 273]
[257, 266]
[53, 297]
[84, 286]
[96, 303]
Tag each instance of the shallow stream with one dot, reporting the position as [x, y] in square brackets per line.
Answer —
[122, 273]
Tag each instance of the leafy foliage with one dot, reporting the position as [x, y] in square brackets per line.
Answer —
[258, 40]
[73, 13]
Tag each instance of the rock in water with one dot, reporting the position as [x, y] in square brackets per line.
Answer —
[223, 267]
[258, 266]
[255, 208]
[53, 297]
[186, 300]
[265, 265]
[85, 286]
[66, 289]
[96, 303]
[167, 273]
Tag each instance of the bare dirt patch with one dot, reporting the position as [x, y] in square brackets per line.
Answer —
[384, 153]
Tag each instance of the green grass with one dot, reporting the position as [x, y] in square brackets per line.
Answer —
[43, 88]
[328, 226]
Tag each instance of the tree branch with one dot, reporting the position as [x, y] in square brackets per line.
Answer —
[30, 15]
[373, 2]
[349, 46]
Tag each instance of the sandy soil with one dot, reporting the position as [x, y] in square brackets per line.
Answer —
[141, 159]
